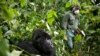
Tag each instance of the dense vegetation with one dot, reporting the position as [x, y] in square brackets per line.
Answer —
[18, 18]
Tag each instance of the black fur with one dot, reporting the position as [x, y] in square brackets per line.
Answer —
[41, 44]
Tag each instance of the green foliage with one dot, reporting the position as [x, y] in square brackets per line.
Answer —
[51, 14]
[68, 4]
[78, 38]
[18, 18]
[23, 3]
[1, 36]
[4, 47]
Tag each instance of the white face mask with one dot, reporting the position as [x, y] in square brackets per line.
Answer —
[76, 11]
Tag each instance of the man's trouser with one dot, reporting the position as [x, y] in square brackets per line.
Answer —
[70, 36]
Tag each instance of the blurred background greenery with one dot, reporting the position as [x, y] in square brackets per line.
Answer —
[18, 18]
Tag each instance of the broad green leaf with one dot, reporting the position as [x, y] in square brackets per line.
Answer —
[23, 3]
[4, 47]
[9, 13]
[68, 4]
[1, 36]
[9, 32]
[2, 1]
[51, 14]
[50, 20]
[78, 38]
[15, 23]
[91, 31]
[15, 53]
[75, 2]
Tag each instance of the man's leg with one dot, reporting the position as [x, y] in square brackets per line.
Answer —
[70, 36]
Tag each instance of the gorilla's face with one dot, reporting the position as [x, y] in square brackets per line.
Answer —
[49, 42]
[43, 43]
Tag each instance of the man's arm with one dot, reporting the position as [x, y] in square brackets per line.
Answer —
[78, 31]
[65, 20]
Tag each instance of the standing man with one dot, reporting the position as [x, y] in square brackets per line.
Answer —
[70, 23]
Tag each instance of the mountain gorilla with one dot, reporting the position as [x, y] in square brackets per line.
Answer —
[40, 44]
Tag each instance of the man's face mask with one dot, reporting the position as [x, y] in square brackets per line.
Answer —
[76, 11]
